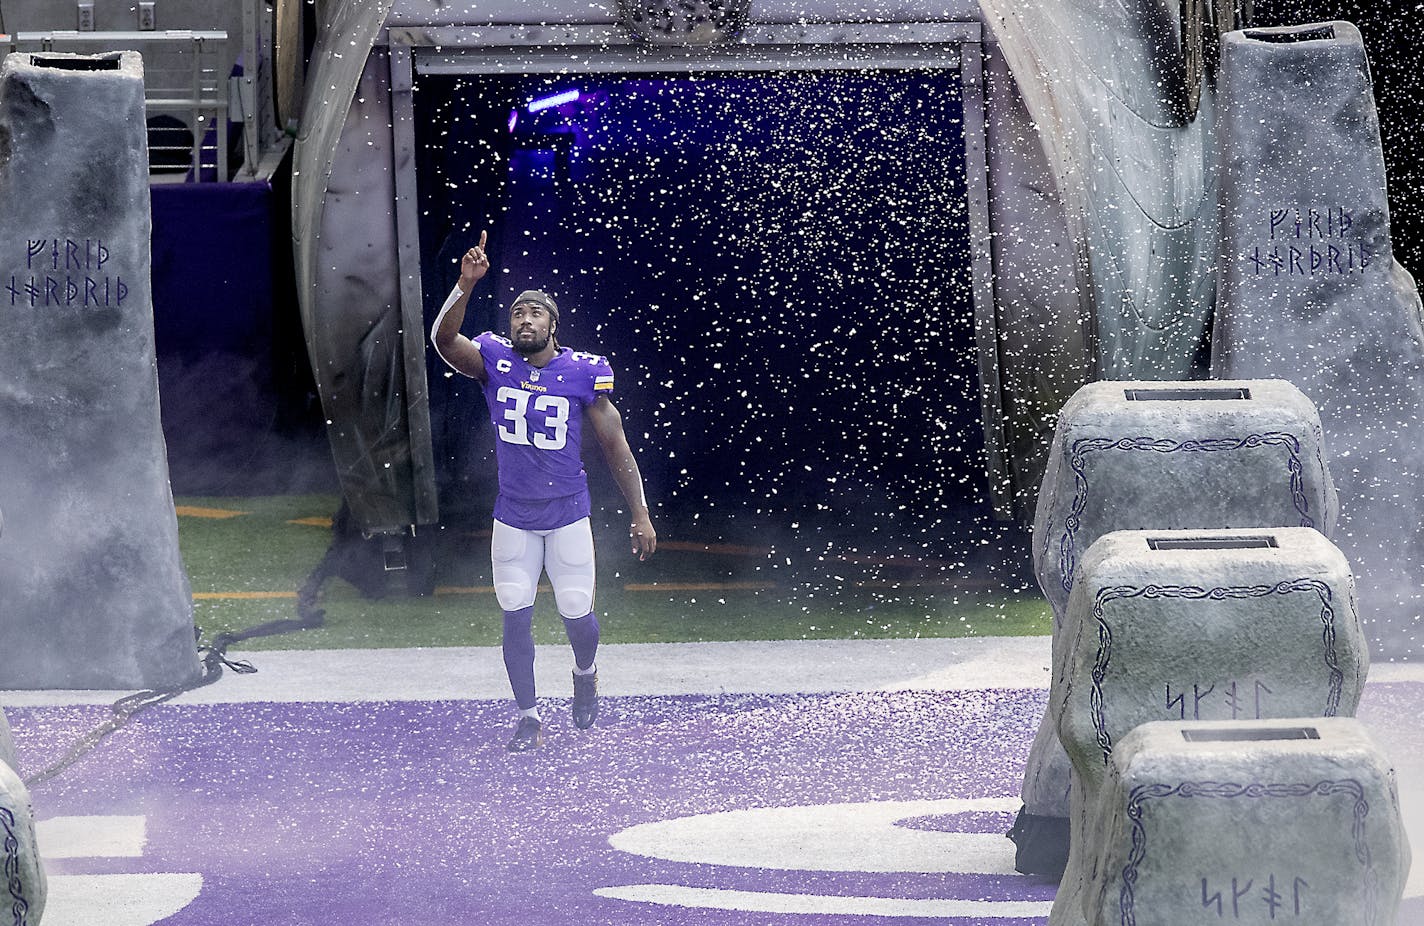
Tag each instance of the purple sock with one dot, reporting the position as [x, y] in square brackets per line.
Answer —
[519, 655]
[583, 634]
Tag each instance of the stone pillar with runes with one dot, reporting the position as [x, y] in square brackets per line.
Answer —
[1309, 291]
[93, 593]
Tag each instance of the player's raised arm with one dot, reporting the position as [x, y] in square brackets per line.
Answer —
[608, 428]
[462, 354]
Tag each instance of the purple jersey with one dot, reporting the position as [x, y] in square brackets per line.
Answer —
[537, 413]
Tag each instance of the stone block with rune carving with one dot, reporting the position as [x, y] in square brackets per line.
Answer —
[1273, 821]
[1196, 625]
[1159, 455]
[92, 587]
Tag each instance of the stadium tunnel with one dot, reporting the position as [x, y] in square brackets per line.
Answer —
[849, 259]
[782, 242]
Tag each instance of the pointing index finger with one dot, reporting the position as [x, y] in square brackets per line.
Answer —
[484, 236]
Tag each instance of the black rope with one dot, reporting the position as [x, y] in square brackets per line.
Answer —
[215, 660]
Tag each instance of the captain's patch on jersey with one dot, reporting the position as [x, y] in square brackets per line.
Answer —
[603, 383]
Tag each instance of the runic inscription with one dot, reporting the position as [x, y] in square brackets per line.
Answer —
[66, 272]
[1309, 242]
[1277, 899]
[1243, 700]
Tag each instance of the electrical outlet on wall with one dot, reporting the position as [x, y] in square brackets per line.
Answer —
[86, 15]
[147, 20]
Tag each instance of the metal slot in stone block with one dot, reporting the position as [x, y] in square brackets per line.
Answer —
[95, 63]
[1304, 831]
[1248, 542]
[1227, 636]
[1186, 395]
[1288, 34]
[1179, 463]
[1250, 734]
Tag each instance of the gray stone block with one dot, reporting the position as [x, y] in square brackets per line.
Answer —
[1166, 456]
[1196, 625]
[1291, 820]
[1309, 291]
[1177, 456]
[19, 854]
[7, 743]
[92, 587]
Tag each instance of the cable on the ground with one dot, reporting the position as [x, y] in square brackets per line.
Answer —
[215, 660]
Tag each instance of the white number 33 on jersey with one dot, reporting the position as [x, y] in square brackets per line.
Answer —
[548, 419]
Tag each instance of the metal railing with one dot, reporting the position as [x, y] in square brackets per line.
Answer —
[185, 80]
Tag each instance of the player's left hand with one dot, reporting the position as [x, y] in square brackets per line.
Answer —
[475, 264]
[645, 539]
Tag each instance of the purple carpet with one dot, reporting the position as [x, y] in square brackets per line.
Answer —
[413, 812]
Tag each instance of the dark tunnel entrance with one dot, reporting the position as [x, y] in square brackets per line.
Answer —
[778, 267]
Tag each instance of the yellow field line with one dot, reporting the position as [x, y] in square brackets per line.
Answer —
[632, 587]
[731, 549]
[699, 586]
[489, 590]
[312, 522]
[965, 584]
[193, 511]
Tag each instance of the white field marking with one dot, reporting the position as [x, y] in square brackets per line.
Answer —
[829, 837]
[91, 837]
[118, 900]
[760, 902]
[748, 667]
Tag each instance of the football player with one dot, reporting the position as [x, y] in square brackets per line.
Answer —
[540, 395]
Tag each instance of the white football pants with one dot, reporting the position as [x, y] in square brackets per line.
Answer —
[565, 553]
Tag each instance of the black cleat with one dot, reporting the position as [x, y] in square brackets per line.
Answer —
[585, 700]
[529, 734]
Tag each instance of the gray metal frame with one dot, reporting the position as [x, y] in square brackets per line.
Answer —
[422, 451]
[608, 49]
[986, 325]
[264, 143]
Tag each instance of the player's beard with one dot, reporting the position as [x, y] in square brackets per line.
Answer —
[532, 346]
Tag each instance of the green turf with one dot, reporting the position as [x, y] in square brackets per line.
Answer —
[261, 551]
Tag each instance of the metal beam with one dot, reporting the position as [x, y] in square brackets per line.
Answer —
[986, 327]
[608, 49]
[614, 37]
[417, 404]
[598, 60]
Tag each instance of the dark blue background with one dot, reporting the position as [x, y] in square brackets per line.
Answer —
[777, 266]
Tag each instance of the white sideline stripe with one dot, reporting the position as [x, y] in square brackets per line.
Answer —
[750, 667]
[674, 895]
[91, 837]
[477, 673]
[117, 900]
[866, 836]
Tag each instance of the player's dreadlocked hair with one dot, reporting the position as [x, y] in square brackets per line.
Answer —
[545, 302]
